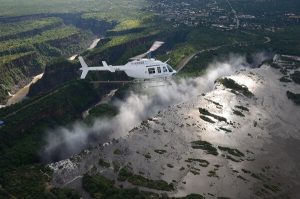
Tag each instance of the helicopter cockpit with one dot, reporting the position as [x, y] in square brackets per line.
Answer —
[170, 68]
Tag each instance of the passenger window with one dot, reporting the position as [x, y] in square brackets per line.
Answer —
[151, 70]
[165, 69]
[158, 69]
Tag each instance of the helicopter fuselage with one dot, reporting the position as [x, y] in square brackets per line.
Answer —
[146, 69]
[139, 68]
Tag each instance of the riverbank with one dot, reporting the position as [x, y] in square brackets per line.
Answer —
[22, 93]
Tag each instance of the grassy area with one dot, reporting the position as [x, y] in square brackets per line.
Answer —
[27, 26]
[207, 113]
[234, 152]
[242, 108]
[294, 97]
[100, 187]
[231, 84]
[101, 111]
[226, 130]
[296, 77]
[286, 41]
[203, 163]
[24, 7]
[118, 10]
[206, 146]
[238, 113]
[207, 119]
[126, 175]
[103, 163]
[197, 39]
[47, 36]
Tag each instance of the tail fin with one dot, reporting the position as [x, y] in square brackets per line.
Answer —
[107, 67]
[84, 68]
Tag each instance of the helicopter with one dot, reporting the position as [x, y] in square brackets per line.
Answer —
[139, 68]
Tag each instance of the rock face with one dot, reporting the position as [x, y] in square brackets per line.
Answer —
[222, 143]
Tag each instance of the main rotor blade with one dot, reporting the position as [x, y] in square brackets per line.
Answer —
[156, 45]
[153, 48]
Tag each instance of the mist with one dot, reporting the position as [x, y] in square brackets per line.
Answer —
[64, 142]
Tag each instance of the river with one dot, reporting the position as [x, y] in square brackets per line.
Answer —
[92, 46]
[22, 93]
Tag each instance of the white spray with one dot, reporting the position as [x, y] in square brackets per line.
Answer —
[64, 142]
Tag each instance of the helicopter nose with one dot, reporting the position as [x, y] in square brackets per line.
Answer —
[174, 72]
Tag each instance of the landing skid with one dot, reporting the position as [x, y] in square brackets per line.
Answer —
[152, 83]
[146, 83]
[110, 82]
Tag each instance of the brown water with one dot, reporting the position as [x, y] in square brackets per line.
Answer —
[22, 93]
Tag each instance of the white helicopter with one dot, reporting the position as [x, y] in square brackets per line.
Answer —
[140, 68]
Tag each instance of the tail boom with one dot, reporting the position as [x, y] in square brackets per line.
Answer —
[85, 69]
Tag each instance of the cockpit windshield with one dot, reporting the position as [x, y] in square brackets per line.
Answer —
[170, 68]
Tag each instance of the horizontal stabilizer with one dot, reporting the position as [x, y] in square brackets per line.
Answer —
[84, 68]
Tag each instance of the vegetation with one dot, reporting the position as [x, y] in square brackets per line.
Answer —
[207, 119]
[231, 151]
[116, 166]
[117, 8]
[118, 152]
[103, 163]
[27, 25]
[246, 171]
[212, 173]
[27, 46]
[226, 130]
[194, 171]
[203, 163]
[126, 175]
[20, 147]
[206, 112]
[285, 79]
[215, 103]
[193, 196]
[239, 113]
[206, 146]
[101, 111]
[294, 97]
[147, 156]
[273, 188]
[242, 108]
[100, 187]
[231, 84]
[170, 165]
[296, 77]
[30, 43]
[231, 158]
[160, 151]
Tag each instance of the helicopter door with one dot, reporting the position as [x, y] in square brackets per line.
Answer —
[158, 70]
[165, 69]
